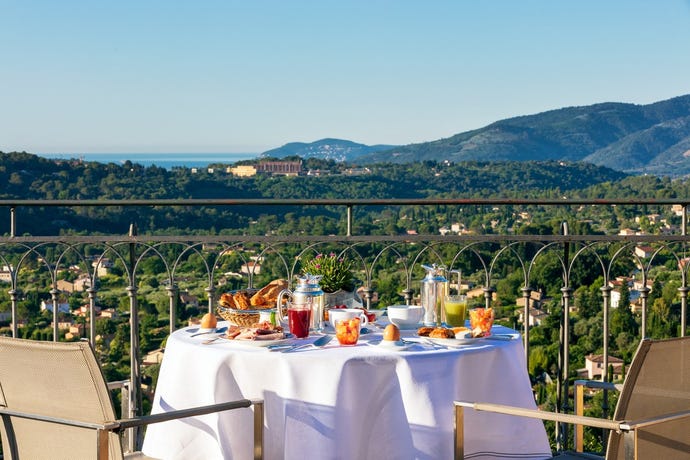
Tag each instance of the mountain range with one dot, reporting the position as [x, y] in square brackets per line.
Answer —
[635, 139]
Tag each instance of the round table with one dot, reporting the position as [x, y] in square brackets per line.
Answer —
[359, 402]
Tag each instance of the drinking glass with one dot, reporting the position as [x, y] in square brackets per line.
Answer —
[347, 331]
[456, 308]
[299, 319]
[482, 319]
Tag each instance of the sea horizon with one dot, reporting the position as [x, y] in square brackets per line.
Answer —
[162, 160]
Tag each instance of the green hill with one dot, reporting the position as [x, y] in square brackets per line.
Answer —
[327, 149]
[653, 138]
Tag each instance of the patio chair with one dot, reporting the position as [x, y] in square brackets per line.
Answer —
[54, 403]
[652, 417]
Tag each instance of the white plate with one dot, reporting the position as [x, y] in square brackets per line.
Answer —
[456, 342]
[262, 343]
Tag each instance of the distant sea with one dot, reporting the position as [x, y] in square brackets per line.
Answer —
[162, 160]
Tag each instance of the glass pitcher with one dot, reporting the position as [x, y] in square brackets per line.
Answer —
[433, 292]
[306, 291]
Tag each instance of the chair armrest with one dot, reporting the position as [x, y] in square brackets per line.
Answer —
[219, 407]
[123, 424]
[118, 426]
[459, 439]
[183, 413]
[629, 428]
[117, 384]
[106, 425]
[599, 385]
[543, 415]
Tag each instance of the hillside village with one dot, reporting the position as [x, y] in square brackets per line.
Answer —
[280, 168]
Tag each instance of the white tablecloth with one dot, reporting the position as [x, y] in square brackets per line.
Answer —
[358, 402]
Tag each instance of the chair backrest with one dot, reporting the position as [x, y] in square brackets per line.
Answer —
[658, 383]
[54, 379]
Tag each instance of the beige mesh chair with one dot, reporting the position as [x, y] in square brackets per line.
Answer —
[652, 418]
[54, 404]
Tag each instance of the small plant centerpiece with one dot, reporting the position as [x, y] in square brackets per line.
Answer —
[335, 272]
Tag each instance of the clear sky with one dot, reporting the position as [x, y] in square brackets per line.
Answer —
[88, 76]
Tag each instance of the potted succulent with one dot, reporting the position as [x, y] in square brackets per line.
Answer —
[337, 280]
[335, 272]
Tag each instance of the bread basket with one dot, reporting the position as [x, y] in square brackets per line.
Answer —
[242, 317]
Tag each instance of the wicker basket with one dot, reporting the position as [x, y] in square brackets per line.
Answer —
[242, 318]
[239, 317]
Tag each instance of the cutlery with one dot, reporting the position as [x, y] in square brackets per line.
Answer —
[434, 345]
[219, 330]
[318, 343]
[209, 341]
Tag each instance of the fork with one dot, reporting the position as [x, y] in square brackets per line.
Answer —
[209, 341]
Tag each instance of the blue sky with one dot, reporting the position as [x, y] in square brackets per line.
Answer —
[247, 76]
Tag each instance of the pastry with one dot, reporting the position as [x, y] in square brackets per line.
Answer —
[241, 299]
[226, 300]
[267, 296]
[424, 331]
[442, 333]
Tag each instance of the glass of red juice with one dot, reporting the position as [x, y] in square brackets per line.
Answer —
[299, 319]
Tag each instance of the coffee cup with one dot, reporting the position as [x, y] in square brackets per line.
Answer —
[335, 314]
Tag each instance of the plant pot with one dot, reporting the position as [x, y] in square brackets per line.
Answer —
[342, 297]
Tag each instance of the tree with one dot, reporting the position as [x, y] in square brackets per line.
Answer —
[622, 319]
[659, 326]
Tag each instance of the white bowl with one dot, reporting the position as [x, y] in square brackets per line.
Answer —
[405, 315]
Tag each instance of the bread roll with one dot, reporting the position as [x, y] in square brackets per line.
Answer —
[267, 296]
[424, 331]
[442, 333]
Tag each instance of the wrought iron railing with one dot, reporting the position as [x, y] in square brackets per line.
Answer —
[484, 257]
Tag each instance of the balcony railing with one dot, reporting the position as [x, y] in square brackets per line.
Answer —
[484, 258]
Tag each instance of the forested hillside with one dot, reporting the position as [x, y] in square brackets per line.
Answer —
[26, 176]
[652, 139]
